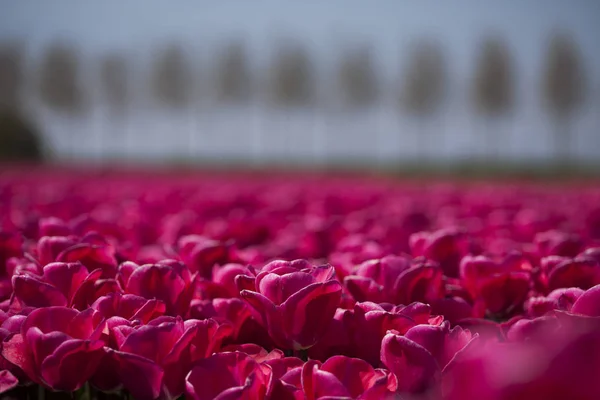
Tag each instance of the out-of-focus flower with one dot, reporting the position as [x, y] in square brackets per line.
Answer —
[579, 272]
[515, 371]
[446, 247]
[559, 299]
[222, 284]
[201, 254]
[91, 250]
[588, 303]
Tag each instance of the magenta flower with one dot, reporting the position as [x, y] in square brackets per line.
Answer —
[201, 254]
[446, 247]
[442, 342]
[61, 284]
[7, 381]
[128, 306]
[339, 377]
[376, 280]
[588, 303]
[415, 367]
[229, 375]
[370, 324]
[222, 284]
[522, 371]
[559, 299]
[296, 301]
[11, 245]
[56, 347]
[581, 272]
[91, 250]
[169, 281]
[49, 247]
[236, 313]
[162, 350]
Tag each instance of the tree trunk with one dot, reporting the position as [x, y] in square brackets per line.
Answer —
[491, 137]
[562, 142]
[421, 141]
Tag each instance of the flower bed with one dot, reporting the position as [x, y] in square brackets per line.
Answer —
[297, 288]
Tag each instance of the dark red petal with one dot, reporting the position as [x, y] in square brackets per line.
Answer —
[308, 313]
[7, 381]
[72, 364]
[140, 376]
[30, 291]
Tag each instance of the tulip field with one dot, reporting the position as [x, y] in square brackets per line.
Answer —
[139, 285]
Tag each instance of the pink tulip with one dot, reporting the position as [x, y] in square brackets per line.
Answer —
[163, 349]
[415, 367]
[7, 381]
[295, 300]
[56, 347]
[61, 284]
[230, 375]
[169, 281]
[339, 377]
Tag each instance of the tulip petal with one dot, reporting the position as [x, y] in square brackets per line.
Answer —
[588, 303]
[308, 312]
[414, 366]
[157, 281]
[318, 384]
[363, 289]
[85, 294]
[140, 376]
[30, 291]
[574, 273]
[7, 381]
[17, 352]
[152, 342]
[66, 277]
[355, 374]
[49, 319]
[227, 376]
[72, 364]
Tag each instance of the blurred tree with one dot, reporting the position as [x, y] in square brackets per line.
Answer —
[357, 79]
[233, 74]
[19, 141]
[172, 78]
[292, 76]
[493, 85]
[115, 91]
[113, 78]
[563, 89]
[59, 80]
[424, 83]
[11, 74]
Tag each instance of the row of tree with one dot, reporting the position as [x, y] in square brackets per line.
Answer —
[291, 79]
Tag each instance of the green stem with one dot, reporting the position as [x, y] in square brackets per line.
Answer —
[288, 353]
[302, 354]
[83, 393]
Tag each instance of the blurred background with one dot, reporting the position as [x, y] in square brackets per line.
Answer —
[388, 84]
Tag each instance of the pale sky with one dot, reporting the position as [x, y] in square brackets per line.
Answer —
[390, 25]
